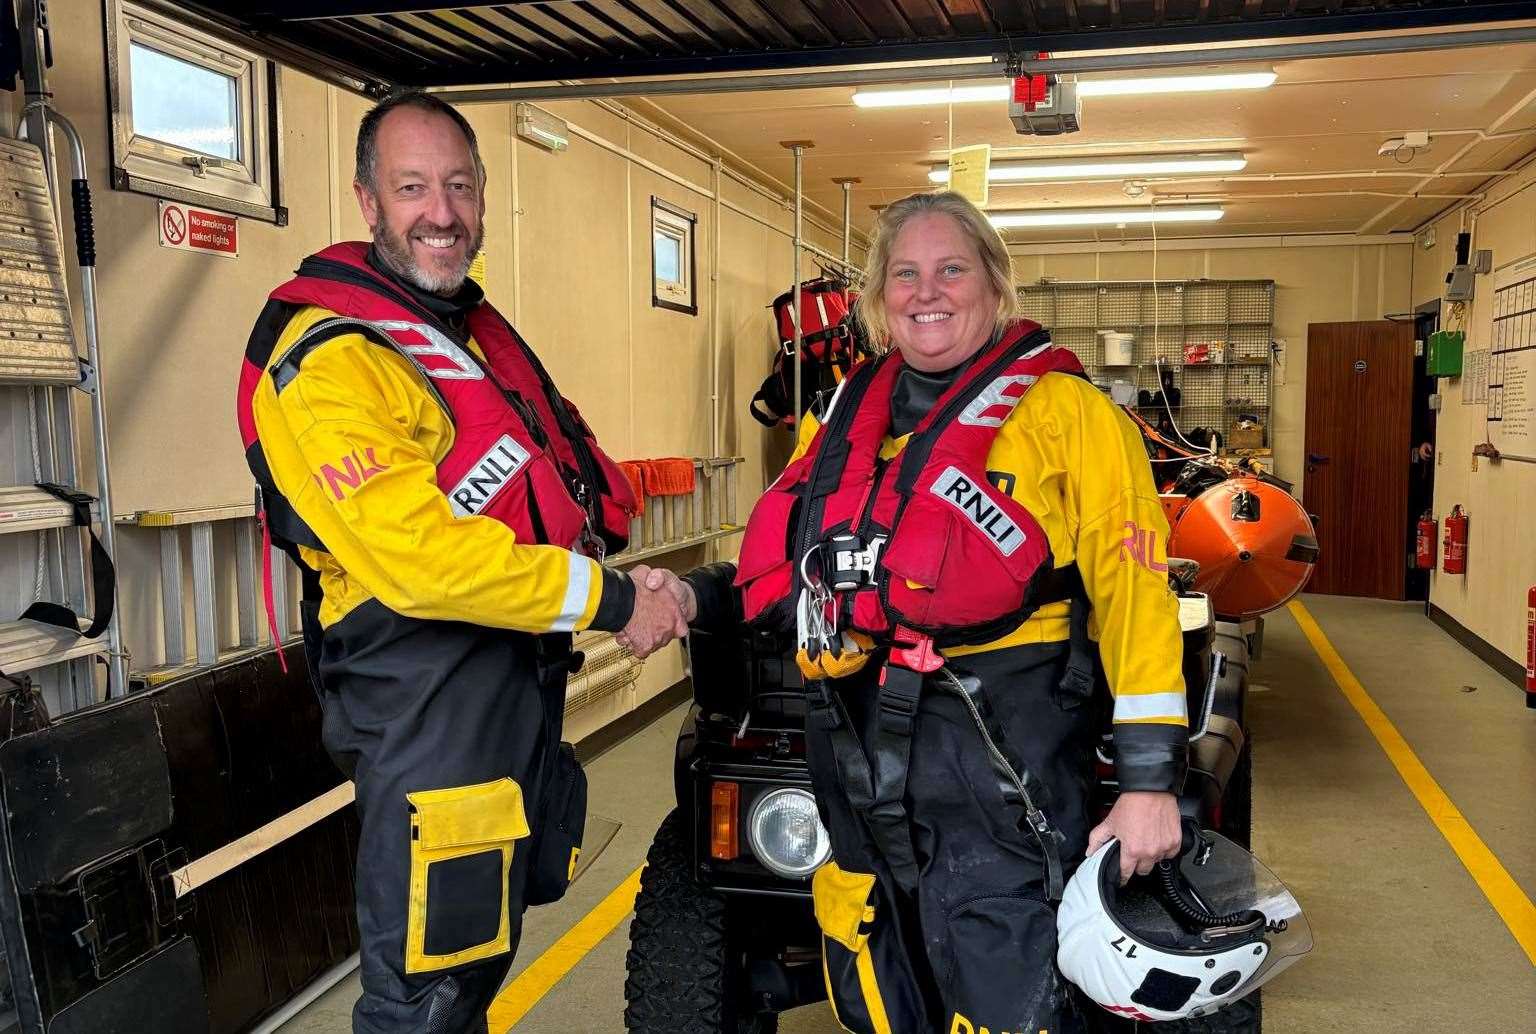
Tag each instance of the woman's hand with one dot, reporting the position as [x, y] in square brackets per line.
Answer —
[1147, 825]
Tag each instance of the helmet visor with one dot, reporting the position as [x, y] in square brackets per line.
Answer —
[1227, 882]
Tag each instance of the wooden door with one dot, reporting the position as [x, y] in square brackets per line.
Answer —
[1359, 399]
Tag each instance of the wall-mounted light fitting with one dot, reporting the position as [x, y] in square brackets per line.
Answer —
[538, 126]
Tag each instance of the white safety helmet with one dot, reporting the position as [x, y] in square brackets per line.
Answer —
[1201, 931]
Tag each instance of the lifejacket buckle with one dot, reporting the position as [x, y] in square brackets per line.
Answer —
[853, 561]
[915, 652]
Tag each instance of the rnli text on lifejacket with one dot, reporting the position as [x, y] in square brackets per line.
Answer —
[964, 495]
[487, 477]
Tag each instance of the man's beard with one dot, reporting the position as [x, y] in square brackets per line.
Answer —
[396, 253]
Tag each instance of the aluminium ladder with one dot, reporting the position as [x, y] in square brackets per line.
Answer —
[42, 554]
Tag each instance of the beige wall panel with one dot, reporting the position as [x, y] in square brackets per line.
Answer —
[576, 293]
[670, 382]
[754, 267]
[1139, 265]
[493, 131]
[674, 159]
[1066, 267]
[763, 207]
[1398, 287]
[174, 324]
[344, 111]
[1501, 556]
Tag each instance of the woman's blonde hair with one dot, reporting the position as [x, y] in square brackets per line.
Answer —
[994, 257]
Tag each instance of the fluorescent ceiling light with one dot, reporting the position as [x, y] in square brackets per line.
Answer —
[1085, 88]
[931, 95]
[1175, 84]
[1109, 167]
[1105, 216]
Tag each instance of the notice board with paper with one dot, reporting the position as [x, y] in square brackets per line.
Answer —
[1511, 376]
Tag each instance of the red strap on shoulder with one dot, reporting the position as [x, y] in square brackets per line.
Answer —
[266, 587]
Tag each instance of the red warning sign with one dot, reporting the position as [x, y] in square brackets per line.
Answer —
[173, 223]
[194, 229]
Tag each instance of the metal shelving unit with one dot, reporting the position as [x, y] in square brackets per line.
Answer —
[1166, 316]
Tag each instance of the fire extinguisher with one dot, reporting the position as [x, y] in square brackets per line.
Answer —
[1530, 647]
[1424, 551]
[1455, 542]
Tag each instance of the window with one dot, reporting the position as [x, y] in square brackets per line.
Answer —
[193, 119]
[672, 265]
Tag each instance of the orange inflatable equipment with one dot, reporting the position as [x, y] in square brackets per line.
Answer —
[1255, 544]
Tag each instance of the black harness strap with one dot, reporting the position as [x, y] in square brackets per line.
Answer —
[103, 574]
[888, 830]
[910, 661]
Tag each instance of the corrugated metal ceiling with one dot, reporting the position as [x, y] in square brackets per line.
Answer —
[379, 42]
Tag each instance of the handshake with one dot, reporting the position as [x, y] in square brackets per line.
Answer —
[664, 605]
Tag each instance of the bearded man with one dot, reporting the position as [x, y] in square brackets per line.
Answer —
[449, 510]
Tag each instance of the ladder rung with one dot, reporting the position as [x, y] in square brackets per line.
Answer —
[25, 645]
[24, 508]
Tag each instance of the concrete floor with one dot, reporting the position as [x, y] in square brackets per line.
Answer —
[1406, 941]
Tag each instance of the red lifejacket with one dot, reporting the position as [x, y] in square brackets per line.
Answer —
[521, 454]
[923, 541]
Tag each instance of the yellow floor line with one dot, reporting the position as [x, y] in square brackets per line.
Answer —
[1502, 892]
[544, 972]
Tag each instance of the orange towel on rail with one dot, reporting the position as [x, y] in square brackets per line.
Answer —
[634, 470]
[669, 475]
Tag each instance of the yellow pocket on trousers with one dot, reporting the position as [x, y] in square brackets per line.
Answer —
[842, 902]
[462, 841]
[870, 983]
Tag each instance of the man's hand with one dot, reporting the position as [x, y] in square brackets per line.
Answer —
[661, 578]
[1147, 825]
[657, 618]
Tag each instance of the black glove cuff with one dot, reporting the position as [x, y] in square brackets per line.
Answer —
[1151, 756]
[718, 598]
[617, 603]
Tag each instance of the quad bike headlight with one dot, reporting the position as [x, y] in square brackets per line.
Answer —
[786, 834]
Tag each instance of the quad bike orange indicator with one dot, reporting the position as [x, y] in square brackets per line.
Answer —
[724, 807]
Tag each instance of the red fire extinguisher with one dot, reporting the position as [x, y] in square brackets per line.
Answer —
[1455, 542]
[1424, 552]
[1530, 647]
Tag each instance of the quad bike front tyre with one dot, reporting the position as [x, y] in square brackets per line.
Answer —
[684, 976]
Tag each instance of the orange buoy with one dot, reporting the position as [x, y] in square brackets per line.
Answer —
[1255, 545]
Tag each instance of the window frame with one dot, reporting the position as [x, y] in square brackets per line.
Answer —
[679, 224]
[248, 185]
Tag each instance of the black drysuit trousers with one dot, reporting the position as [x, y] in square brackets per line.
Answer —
[973, 945]
[451, 733]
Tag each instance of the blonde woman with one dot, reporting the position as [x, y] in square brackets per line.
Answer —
[952, 545]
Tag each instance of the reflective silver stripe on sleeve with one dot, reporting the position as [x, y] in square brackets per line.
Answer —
[578, 583]
[1150, 705]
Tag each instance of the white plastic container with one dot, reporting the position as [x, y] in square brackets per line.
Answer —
[1119, 349]
[1122, 393]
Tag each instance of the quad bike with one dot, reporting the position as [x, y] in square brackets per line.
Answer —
[724, 939]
